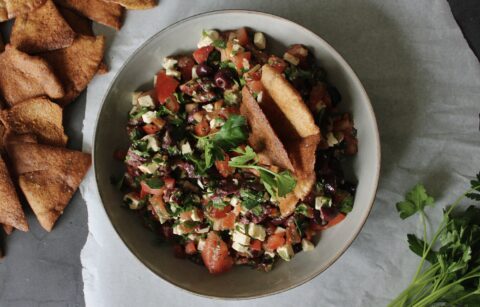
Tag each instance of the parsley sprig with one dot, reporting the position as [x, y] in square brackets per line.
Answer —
[276, 184]
[453, 276]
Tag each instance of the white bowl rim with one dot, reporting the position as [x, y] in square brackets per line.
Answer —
[350, 72]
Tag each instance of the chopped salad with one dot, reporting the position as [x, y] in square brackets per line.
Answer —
[192, 175]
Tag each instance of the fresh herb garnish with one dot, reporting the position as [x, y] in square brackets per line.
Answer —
[219, 43]
[233, 133]
[154, 183]
[276, 184]
[453, 277]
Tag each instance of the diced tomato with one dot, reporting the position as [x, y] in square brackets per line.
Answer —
[223, 168]
[185, 65]
[202, 128]
[228, 222]
[165, 87]
[172, 104]
[340, 217]
[277, 63]
[120, 154]
[190, 87]
[169, 182]
[150, 129]
[254, 74]
[215, 254]
[255, 86]
[190, 248]
[148, 190]
[242, 36]
[220, 213]
[256, 245]
[275, 241]
[201, 55]
[159, 122]
[239, 57]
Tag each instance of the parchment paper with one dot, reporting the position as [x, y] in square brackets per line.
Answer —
[424, 83]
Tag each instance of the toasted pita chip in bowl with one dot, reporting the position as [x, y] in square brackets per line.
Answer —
[43, 29]
[24, 76]
[78, 23]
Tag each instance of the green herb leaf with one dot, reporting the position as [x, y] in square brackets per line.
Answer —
[285, 183]
[219, 43]
[155, 183]
[475, 184]
[416, 200]
[346, 206]
[417, 246]
[233, 133]
[246, 155]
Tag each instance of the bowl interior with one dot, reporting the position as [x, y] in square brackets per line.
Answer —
[110, 134]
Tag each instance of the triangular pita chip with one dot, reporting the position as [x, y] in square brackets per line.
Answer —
[48, 177]
[289, 101]
[23, 76]
[77, 22]
[11, 212]
[107, 13]
[12, 8]
[13, 138]
[37, 116]
[76, 65]
[8, 229]
[41, 30]
[262, 138]
[136, 4]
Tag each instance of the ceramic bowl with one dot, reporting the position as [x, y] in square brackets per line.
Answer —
[241, 282]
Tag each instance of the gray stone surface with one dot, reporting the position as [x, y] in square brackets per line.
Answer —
[44, 269]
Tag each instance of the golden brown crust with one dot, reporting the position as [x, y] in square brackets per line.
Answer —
[262, 138]
[23, 77]
[48, 177]
[12, 8]
[76, 65]
[102, 69]
[289, 101]
[41, 30]
[107, 13]
[11, 212]
[39, 117]
[136, 4]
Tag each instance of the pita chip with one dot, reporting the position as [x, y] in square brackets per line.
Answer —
[77, 22]
[13, 138]
[12, 8]
[48, 177]
[289, 101]
[262, 138]
[41, 30]
[136, 4]
[39, 117]
[11, 212]
[76, 65]
[23, 77]
[107, 13]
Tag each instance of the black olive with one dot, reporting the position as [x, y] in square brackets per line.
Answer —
[334, 95]
[203, 70]
[223, 79]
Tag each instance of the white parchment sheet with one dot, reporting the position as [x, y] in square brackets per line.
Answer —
[424, 83]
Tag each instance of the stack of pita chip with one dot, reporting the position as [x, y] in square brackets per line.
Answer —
[52, 56]
[284, 133]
